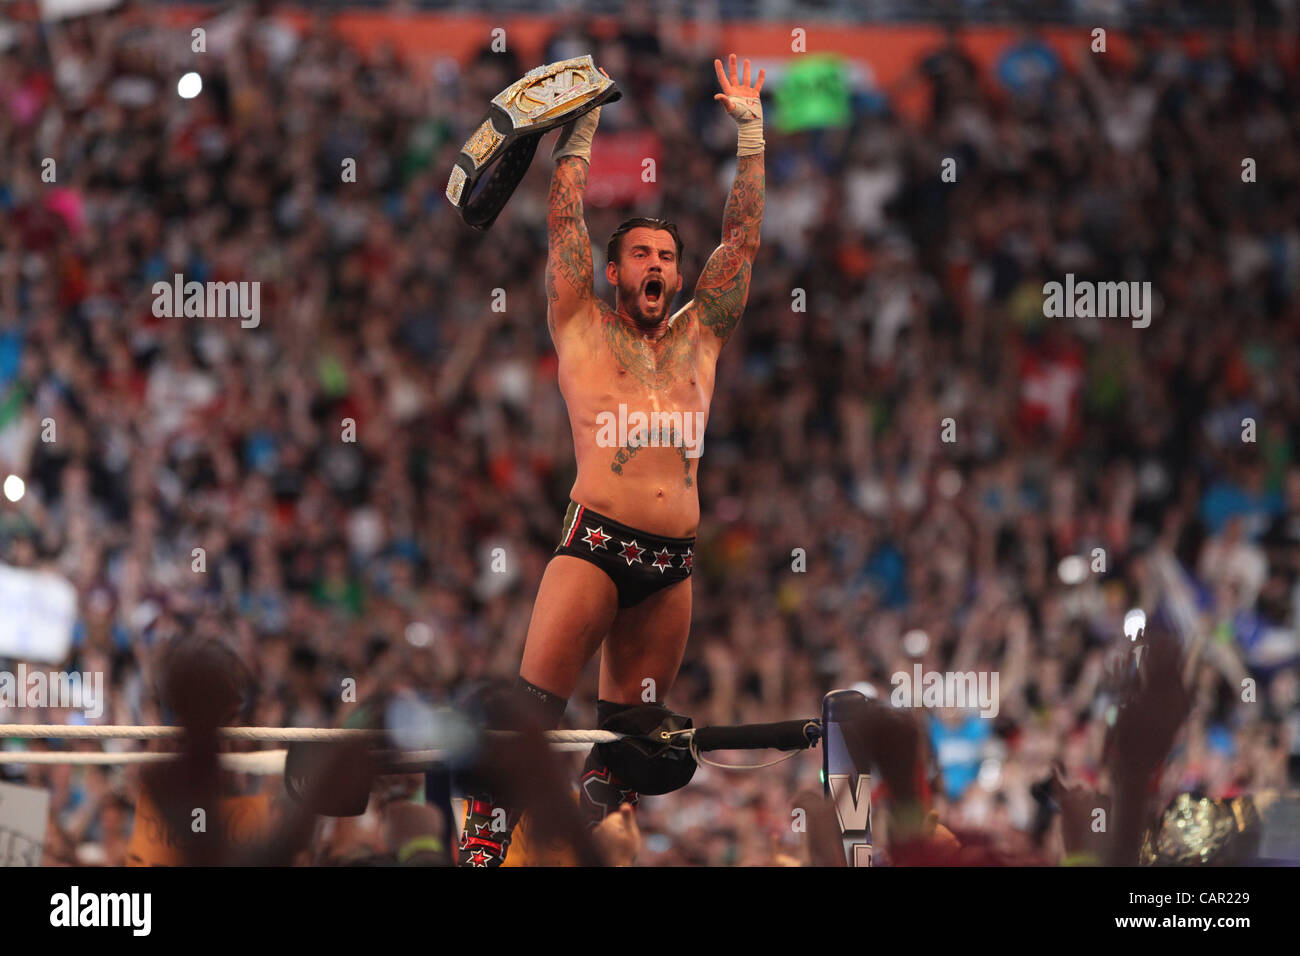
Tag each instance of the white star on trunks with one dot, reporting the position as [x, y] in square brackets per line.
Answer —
[686, 559]
[663, 560]
[596, 538]
[631, 551]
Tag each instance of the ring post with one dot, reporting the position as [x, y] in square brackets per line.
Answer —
[847, 785]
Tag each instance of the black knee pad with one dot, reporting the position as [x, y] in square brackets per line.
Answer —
[547, 707]
[605, 709]
[644, 762]
[501, 705]
[508, 705]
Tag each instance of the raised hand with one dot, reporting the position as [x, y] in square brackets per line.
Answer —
[1156, 707]
[1078, 805]
[619, 837]
[735, 88]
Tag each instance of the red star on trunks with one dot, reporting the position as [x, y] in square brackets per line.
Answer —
[598, 789]
[478, 848]
[631, 552]
[595, 538]
[663, 560]
[686, 559]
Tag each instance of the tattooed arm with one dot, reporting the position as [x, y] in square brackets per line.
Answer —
[570, 278]
[724, 285]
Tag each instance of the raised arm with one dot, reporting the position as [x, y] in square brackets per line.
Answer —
[723, 287]
[570, 277]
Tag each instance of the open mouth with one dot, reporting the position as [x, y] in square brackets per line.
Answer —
[654, 290]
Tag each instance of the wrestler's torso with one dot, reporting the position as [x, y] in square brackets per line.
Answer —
[621, 389]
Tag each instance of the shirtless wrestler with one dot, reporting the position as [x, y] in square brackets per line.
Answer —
[637, 380]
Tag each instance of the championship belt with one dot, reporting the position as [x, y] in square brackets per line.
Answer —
[544, 98]
[1195, 832]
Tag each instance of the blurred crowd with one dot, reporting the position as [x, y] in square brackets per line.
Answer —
[1094, 467]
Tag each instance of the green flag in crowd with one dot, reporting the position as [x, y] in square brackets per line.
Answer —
[814, 93]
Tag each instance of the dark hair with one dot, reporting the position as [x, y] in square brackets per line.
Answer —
[615, 247]
[203, 682]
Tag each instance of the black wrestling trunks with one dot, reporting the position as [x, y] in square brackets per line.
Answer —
[638, 563]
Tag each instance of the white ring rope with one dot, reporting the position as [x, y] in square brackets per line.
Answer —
[124, 732]
[260, 762]
[272, 761]
[285, 734]
[264, 762]
[575, 736]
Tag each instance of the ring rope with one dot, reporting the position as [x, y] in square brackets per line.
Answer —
[262, 762]
[574, 736]
[124, 732]
[272, 761]
[284, 734]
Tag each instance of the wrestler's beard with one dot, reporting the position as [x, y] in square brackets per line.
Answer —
[635, 305]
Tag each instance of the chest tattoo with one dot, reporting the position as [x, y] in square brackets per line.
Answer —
[656, 365]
